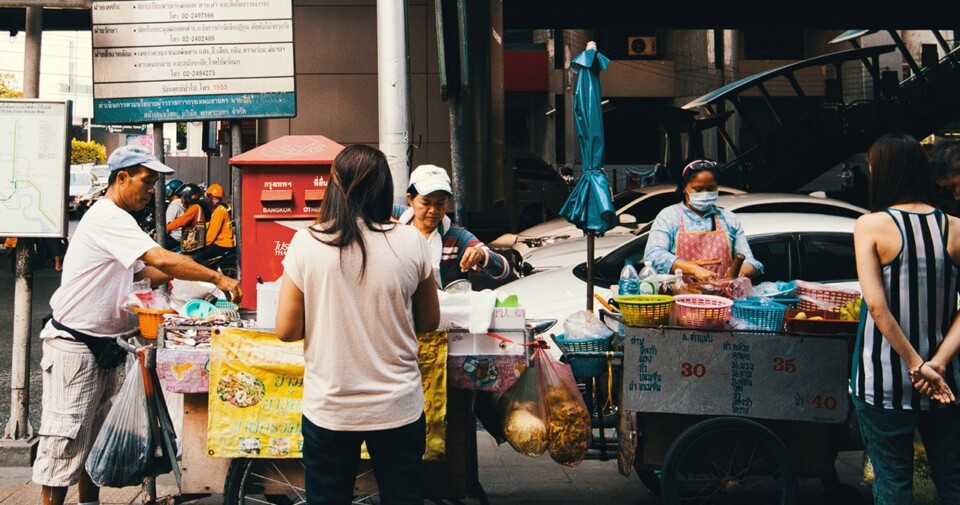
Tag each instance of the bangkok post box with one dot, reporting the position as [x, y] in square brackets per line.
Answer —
[282, 185]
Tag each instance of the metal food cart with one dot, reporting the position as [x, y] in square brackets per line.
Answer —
[711, 416]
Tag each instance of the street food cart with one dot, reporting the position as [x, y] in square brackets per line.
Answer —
[236, 443]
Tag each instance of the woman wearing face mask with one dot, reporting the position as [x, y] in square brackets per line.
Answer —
[695, 235]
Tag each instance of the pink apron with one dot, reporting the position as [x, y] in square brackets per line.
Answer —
[708, 249]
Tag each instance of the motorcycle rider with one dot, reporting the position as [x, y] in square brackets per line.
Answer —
[175, 208]
[220, 241]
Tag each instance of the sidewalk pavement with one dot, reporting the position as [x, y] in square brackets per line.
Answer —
[507, 477]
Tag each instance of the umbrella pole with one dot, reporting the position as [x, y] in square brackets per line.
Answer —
[590, 238]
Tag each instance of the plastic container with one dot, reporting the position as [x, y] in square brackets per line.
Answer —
[585, 367]
[198, 308]
[149, 321]
[702, 311]
[645, 310]
[629, 280]
[268, 294]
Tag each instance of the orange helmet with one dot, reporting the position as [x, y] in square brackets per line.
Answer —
[215, 190]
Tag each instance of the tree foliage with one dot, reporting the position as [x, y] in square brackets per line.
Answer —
[87, 152]
[7, 91]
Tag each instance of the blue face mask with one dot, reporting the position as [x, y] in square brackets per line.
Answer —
[703, 201]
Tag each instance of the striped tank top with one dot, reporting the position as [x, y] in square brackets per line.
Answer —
[921, 289]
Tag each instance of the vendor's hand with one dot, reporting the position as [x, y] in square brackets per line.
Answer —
[929, 382]
[471, 257]
[702, 274]
[230, 287]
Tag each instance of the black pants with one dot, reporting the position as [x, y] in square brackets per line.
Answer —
[332, 459]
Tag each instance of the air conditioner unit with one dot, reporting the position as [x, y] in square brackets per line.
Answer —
[642, 46]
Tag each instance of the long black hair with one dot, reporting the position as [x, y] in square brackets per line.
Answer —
[899, 172]
[361, 188]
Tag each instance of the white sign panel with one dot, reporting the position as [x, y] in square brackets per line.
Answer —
[766, 376]
[179, 60]
[33, 168]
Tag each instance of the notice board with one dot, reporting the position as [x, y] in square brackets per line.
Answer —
[34, 160]
[189, 60]
[714, 372]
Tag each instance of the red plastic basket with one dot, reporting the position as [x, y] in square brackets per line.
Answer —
[831, 324]
[820, 297]
[702, 311]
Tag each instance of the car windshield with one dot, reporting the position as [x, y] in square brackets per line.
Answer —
[625, 197]
[606, 271]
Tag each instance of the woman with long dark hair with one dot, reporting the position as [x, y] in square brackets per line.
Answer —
[357, 288]
[905, 369]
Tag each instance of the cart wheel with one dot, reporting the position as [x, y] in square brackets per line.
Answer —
[728, 460]
[247, 479]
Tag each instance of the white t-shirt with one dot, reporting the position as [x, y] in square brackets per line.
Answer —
[360, 344]
[98, 270]
[174, 209]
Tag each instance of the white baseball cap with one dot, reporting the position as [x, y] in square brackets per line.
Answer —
[429, 178]
[131, 156]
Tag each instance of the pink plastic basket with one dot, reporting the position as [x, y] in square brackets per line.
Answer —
[702, 311]
[815, 296]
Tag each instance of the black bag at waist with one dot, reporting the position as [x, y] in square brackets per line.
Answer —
[106, 352]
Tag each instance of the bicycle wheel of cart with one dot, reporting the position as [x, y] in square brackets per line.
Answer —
[269, 481]
[728, 460]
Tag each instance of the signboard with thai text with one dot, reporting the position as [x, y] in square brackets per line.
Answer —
[187, 60]
[712, 372]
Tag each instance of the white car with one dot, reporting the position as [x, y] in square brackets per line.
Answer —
[573, 251]
[635, 208]
[816, 248]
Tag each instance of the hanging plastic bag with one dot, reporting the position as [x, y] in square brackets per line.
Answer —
[524, 422]
[121, 455]
[569, 432]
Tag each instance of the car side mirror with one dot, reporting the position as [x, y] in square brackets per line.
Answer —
[628, 220]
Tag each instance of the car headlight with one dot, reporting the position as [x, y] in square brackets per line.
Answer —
[542, 241]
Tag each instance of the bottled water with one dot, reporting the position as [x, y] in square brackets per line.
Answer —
[629, 280]
[648, 279]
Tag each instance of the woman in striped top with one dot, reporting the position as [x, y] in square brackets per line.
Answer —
[905, 370]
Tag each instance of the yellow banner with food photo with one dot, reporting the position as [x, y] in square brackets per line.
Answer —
[256, 390]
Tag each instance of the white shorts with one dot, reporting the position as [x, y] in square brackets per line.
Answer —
[76, 398]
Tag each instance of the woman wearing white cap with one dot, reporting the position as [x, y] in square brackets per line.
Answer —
[455, 250]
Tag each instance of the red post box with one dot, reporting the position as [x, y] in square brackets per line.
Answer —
[282, 186]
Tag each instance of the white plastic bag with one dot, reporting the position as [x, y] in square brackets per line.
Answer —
[121, 455]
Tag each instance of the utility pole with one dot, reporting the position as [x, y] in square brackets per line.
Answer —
[19, 440]
[393, 86]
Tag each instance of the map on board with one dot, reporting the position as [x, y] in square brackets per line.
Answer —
[33, 168]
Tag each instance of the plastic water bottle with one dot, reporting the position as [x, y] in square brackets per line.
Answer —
[629, 280]
[648, 279]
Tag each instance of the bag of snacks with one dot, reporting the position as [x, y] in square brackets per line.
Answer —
[524, 421]
[569, 432]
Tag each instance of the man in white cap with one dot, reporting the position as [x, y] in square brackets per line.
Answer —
[107, 254]
[455, 250]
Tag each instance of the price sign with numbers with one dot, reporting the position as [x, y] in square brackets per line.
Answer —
[715, 372]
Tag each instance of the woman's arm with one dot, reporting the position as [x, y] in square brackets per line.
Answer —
[660, 243]
[426, 306]
[866, 232]
[290, 311]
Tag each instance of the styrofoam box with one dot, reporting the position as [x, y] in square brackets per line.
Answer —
[462, 343]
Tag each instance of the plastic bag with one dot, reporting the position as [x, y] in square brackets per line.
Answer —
[569, 432]
[121, 455]
[774, 289]
[737, 288]
[140, 295]
[524, 422]
[585, 325]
